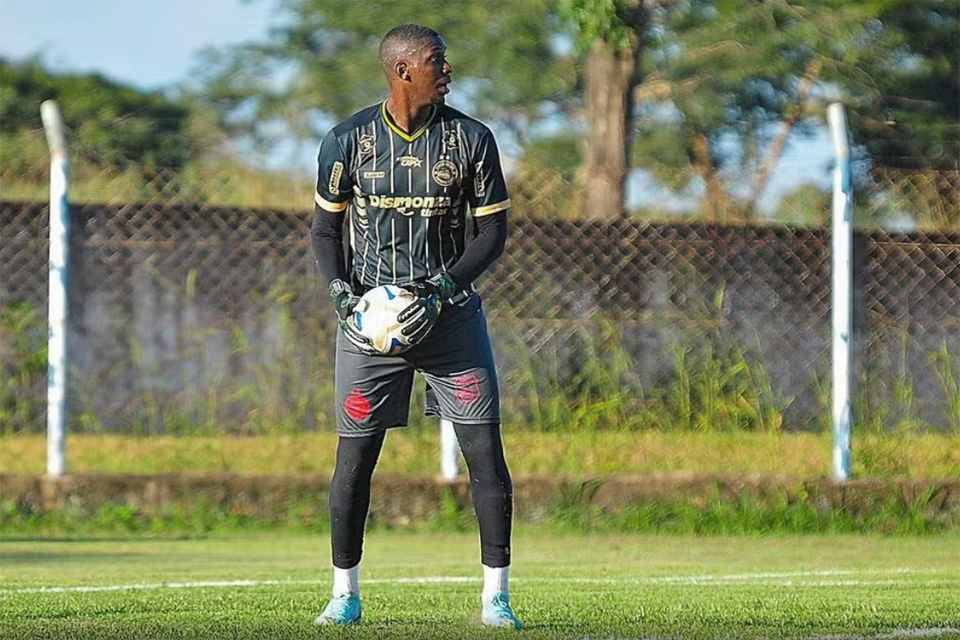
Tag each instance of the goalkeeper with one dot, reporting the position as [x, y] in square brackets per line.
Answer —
[400, 176]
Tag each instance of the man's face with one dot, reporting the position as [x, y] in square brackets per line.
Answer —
[430, 71]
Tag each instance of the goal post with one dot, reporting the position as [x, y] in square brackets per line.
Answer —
[841, 292]
[58, 283]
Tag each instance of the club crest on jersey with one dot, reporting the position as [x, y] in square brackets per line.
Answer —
[411, 161]
[365, 144]
[444, 173]
[451, 140]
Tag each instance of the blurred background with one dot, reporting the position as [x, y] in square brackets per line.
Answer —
[668, 268]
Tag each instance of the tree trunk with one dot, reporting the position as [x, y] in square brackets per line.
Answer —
[610, 80]
[786, 126]
[716, 206]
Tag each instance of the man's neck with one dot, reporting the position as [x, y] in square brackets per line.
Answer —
[407, 115]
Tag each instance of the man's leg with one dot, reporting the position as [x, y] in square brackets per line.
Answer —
[492, 492]
[349, 504]
[350, 496]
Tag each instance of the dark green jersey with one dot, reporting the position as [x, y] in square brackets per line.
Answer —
[406, 195]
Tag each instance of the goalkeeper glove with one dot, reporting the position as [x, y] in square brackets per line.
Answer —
[418, 318]
[345, 301]
[440, 285]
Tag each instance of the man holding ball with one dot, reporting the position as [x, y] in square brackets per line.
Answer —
[403, 174]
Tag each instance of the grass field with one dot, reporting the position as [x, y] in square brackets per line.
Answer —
[574, 452]
[426, 586]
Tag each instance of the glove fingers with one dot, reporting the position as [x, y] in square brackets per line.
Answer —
[412, 312]
[412, 328]
[359, 340]
[417, 335]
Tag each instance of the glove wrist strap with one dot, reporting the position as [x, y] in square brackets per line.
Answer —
[446, 287]
[337, 288]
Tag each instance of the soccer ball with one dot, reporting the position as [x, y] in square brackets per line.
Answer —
[375, 317]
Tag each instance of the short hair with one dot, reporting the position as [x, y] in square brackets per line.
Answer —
[396, 39]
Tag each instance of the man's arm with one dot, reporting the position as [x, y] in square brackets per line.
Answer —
[483, 250]
[326, 239]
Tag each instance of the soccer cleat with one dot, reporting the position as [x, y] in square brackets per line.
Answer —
[497, 612]
[342, 609]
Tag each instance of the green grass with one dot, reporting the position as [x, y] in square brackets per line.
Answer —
[564, 587]
[571, 452]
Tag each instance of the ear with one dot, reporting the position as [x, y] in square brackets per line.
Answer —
[402, 70]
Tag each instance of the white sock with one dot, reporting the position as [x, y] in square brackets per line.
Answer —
[494, 581]
[346, 580]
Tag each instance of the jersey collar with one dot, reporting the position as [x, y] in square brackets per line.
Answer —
[400, 132]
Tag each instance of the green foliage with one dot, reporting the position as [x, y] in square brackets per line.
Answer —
[23, 366]
[326, 51]
[575, 510]
[278, 394]
[616, 22]
[593, 383]
[909, 114]
[947, 368]
[805, 206]
[717, 387]
[108, 123]
[561, 153]
[721, 515]
[885, 400]
[746, 76]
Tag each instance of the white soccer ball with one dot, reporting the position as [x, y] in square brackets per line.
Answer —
[375, 317]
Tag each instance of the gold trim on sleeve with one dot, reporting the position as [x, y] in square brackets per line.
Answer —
[332, 207]
[492, 208]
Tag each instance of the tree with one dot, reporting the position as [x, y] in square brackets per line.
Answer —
[742, 77]
[109, 123]
[745, 76]
[610, 33]
[324, 55]
[910, 117]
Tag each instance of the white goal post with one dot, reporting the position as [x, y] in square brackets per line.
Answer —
[58, 284]
[842, 292]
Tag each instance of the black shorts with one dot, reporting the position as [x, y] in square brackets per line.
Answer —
[373, 392]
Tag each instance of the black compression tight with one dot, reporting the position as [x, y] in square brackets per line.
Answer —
[490, 487]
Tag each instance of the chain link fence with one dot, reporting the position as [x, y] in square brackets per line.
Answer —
[195, 306]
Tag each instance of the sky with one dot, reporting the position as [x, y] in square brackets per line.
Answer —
[155, 45]
[149, 45]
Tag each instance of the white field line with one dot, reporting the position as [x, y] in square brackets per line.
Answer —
[786, 579]
[896, 634]
[933, 632]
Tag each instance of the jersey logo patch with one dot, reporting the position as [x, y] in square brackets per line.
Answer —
[365, 143]
[374, 174]
[478, 186]
[451, 140]
[411, 161]
[335, 174]
[445, 173]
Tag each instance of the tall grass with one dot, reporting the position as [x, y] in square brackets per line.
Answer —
[590, 381]
[272, 373]
[571, 453]
[887, 400]
[23, 367]
[947, 368]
